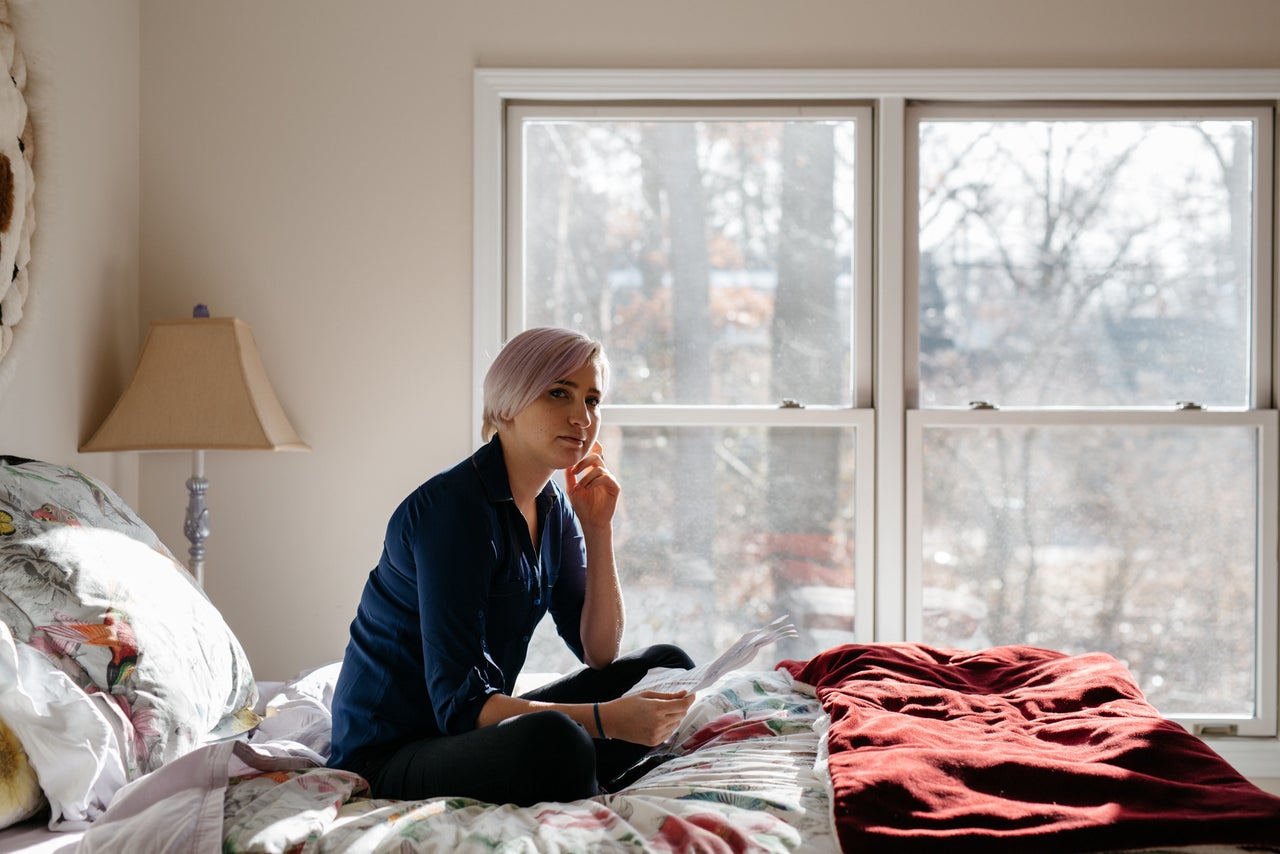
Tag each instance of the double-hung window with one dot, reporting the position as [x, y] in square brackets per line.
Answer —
[966, 359]
[1090, 442]
[721, 254]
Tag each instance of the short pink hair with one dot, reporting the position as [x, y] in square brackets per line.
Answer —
[527, 366]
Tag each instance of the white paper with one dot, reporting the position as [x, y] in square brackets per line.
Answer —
[671, 680]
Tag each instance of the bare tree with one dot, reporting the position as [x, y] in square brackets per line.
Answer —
[1048, 282]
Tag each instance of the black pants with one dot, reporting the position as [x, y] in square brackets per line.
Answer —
[540, 756]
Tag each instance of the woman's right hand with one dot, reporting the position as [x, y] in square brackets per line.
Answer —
[646, 718]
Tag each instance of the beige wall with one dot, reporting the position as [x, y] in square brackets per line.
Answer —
[306, 166]
[78, 338]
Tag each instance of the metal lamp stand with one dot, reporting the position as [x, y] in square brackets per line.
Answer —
[196, 526]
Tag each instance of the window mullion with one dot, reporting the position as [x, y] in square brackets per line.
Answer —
[891, 377]
[1265, 237]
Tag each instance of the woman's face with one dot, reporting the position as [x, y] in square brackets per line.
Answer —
[560, 426]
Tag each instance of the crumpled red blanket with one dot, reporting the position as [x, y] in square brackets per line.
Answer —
[1017, 748]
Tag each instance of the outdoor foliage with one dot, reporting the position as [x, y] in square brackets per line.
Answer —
[1062, 263]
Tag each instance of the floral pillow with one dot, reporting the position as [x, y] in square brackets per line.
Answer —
[37, 496]
[112, 661]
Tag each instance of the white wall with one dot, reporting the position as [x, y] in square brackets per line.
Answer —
[77, 342]
[306, 166]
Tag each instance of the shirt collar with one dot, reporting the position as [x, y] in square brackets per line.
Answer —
[491, 467]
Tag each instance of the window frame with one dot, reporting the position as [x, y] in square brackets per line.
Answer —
[1261, 115]
[1267, 491]
[1253, 414]
[890, 92]
[514, 313]
[859, 417]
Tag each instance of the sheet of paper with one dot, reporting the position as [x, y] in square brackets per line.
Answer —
[671, 680]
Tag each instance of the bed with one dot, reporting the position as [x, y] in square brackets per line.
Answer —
[133, 722]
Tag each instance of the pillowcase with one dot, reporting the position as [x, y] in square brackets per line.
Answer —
[36, 496]
[112, 661]
[20, 794]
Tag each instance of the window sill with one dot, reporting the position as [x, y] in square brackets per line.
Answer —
[1255, 758]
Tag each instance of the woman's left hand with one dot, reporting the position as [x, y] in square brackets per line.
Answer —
[593, 490]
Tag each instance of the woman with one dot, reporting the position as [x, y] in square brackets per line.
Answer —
[471, 562]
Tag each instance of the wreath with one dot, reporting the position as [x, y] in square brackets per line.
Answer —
[17, 192]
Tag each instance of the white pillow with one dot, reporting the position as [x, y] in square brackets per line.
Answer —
[105, 636]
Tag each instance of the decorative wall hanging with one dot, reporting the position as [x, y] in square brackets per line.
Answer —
[17, 192]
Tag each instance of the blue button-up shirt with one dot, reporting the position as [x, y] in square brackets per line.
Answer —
[446, 615]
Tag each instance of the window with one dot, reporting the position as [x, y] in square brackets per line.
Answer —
[1092, 270]
[1027, 333]
[714, 252]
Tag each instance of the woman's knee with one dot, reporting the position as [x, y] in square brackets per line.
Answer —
[555, 729]
[667, 655]
[559, 751]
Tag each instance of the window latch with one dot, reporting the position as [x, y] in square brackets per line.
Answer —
[1189, 406]
[791, 403]
[981, 404]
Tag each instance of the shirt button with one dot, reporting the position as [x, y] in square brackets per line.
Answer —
[526, 638]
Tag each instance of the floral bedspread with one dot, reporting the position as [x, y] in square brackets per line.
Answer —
[744, 781]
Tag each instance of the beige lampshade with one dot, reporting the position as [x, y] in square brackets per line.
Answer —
[200, 385]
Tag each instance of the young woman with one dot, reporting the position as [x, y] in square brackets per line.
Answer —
[471, 562]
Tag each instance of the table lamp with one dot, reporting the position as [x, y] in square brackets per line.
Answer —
[199, 386]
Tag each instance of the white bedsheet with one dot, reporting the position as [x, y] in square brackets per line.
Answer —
[744, 779]
[35, 837]
[180, 805]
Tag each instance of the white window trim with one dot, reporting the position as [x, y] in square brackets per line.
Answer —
[1261, 274]
[1255, 413]
[889, 90]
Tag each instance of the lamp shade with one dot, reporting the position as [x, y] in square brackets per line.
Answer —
[199, 385]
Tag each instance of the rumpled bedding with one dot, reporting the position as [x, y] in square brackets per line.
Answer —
[744, 781]
[112, 661]
[1017, 749]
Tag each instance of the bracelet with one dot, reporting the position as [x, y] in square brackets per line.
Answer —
[599, 726]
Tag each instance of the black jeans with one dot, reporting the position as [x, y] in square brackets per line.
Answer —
[540, 756]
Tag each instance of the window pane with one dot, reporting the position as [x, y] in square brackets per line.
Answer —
[1138, 541]
[721, 529]
[1085, 263]
[714, 258]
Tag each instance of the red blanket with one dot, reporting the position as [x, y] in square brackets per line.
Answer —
[1017, 749]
